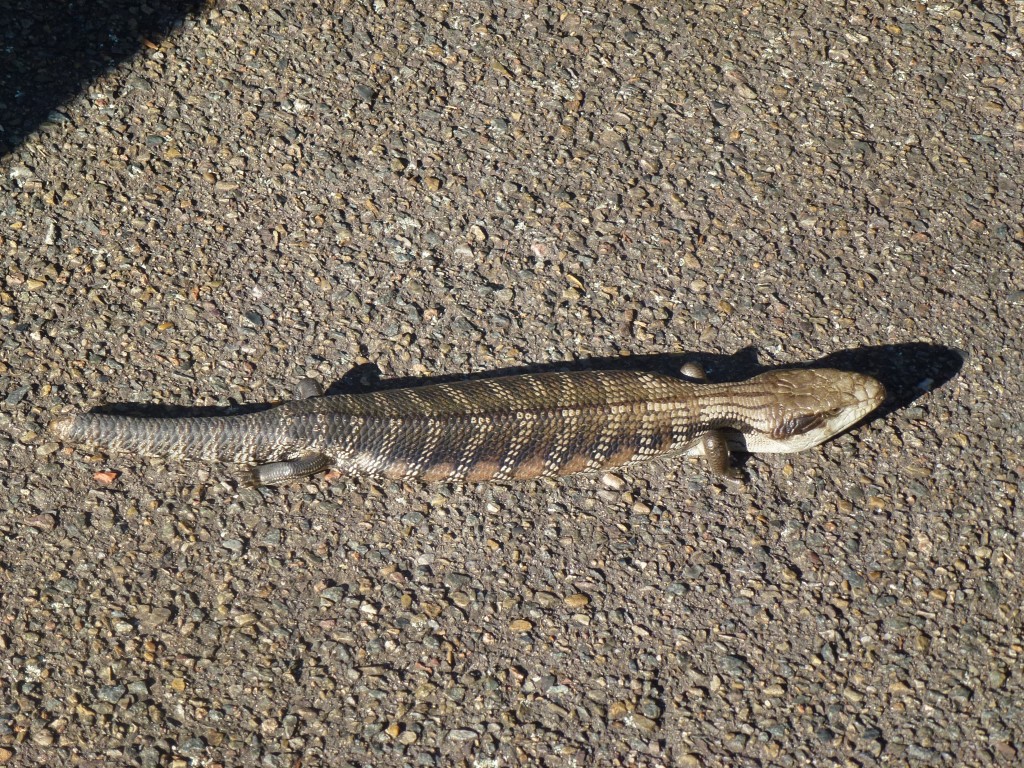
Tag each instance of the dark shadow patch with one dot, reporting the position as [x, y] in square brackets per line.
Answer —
[908, 371]
[171, 411]
[362, 378]
[367, 377]
[49, 51]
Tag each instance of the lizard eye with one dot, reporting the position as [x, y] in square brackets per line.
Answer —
[797, 425]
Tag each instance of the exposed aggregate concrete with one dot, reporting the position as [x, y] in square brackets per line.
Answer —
[276, 191]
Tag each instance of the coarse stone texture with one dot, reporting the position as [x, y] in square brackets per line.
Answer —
[254, 193]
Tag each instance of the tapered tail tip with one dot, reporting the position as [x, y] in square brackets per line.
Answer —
[62, 428]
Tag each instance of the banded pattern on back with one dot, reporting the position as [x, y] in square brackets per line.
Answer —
[538, 425]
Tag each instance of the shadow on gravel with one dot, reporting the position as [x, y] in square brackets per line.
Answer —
[907, 371]
[49, 51]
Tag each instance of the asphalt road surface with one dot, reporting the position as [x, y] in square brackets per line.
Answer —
[198, 212]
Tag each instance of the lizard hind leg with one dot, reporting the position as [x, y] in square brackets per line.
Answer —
[280, 471]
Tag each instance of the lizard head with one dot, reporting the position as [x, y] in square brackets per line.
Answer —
[798, 409]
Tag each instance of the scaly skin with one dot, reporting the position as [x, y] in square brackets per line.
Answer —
[517, 427]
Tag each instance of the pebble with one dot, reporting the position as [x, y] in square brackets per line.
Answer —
[44, 522]
[16, 395]
[643, 724]
[193, 746]
[612, 481]
[736, 742]
[618, 710]
[577, 600]
[43, 737]
[233, 545]
[111, 693]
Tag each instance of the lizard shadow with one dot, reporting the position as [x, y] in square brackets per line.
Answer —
[907, 371]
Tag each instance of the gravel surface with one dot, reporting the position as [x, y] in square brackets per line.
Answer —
[433, 189]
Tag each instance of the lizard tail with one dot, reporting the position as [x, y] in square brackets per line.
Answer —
[213, 438]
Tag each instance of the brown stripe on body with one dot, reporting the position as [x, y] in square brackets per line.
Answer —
[494, 439]
[579, 432]
[535, 455]
[439, 472]
[579, 462]
[519, 446]
[483, 470]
